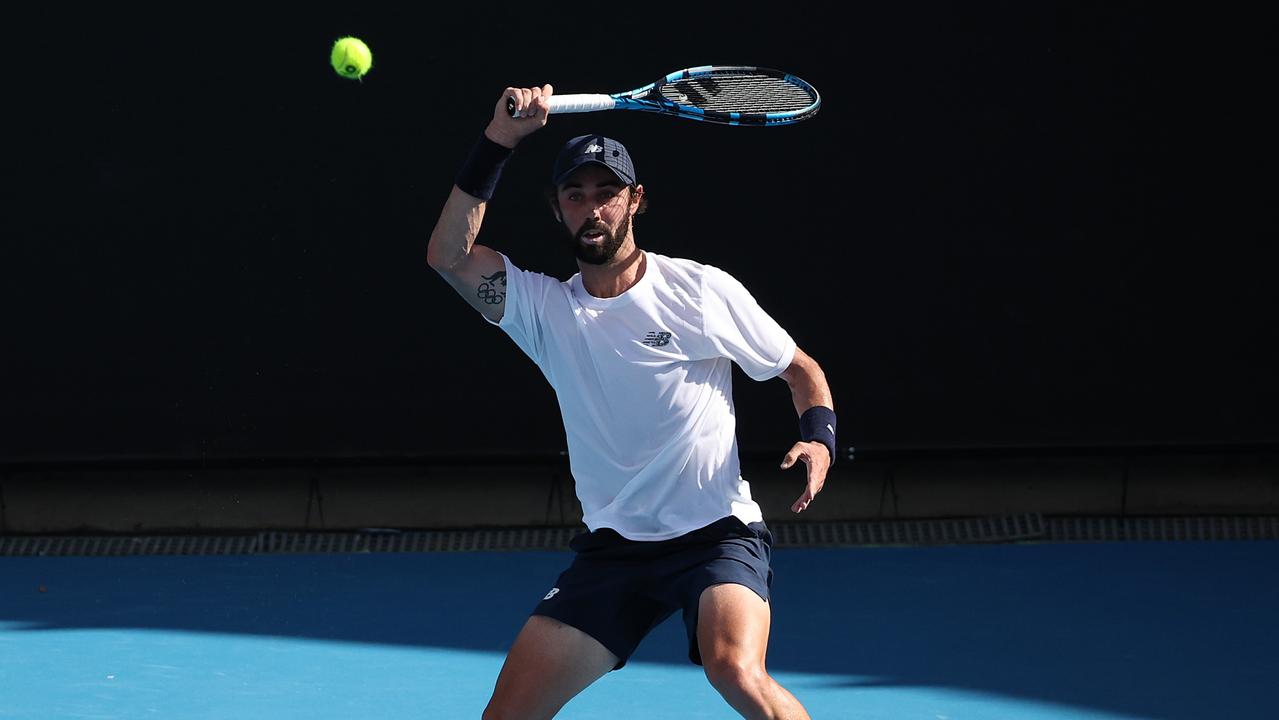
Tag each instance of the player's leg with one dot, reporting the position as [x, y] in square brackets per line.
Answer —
[732, 637]
[548, 665]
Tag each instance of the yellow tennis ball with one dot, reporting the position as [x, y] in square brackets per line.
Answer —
[351, 58]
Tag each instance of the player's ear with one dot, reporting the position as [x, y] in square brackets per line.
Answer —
[637, 198]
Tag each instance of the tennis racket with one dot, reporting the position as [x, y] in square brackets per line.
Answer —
[724, 94]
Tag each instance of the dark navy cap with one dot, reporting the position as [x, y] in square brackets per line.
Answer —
[596, 149]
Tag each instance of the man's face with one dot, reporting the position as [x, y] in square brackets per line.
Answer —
[596, 210]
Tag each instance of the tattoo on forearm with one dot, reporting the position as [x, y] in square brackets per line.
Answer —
[493, 289]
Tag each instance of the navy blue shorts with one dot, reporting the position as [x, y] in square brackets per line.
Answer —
[617, 590]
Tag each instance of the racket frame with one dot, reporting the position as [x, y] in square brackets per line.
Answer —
[650, 99]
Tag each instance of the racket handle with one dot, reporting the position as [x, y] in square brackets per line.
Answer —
[581, 103]
[574, 103]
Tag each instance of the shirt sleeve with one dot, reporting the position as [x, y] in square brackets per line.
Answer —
[522, 317]
[740, 330]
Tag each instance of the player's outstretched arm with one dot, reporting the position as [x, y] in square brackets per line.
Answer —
[475, 271]
[816, 410]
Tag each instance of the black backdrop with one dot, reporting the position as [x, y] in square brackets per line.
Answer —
[1010, 224]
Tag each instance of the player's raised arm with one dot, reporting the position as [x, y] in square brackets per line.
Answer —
[475, 271]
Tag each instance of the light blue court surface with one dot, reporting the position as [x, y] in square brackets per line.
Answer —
[1177, 631]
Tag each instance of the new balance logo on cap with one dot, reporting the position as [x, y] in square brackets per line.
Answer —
[596, 149]
[551, 594]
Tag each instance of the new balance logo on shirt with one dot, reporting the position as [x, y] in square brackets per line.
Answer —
[657, 339]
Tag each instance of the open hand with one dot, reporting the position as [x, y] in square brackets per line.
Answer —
[817, 459]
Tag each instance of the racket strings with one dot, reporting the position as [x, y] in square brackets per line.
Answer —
[739, 94]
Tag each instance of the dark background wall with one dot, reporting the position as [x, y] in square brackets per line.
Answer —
[1010, 224]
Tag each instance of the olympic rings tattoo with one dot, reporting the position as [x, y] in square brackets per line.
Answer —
[489, 291]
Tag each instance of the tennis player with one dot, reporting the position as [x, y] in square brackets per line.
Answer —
[638, 347]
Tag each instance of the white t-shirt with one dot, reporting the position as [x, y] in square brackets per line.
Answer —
[644, 384]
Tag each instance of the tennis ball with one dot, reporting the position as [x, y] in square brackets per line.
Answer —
[351, 58]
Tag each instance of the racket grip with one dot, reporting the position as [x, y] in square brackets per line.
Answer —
[574, 103]
[581, 103]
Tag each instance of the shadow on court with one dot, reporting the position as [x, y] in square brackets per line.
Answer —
[1155, 630]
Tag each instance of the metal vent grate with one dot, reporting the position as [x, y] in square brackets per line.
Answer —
[909, 532]
[1119, 529]
[278, 543]
[423, 541]
[105, 546]
[1013, 528]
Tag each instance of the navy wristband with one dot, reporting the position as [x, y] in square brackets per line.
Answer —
[817, 424]
[479, 174]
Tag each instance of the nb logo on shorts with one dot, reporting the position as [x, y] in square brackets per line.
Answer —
[657, 339]
[552, 593]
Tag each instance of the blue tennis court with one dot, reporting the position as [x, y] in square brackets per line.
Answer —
[1168, 630]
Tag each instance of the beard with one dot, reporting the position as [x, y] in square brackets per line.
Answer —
[608, 247]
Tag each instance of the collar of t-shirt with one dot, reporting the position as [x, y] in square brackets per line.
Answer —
[583, 296]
